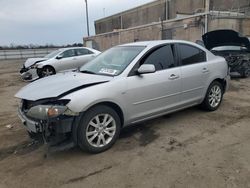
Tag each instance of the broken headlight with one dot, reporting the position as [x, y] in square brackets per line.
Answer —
[44, 112]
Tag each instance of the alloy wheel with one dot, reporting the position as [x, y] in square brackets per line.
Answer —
[47, 72]
[214, 96]
[101, 130]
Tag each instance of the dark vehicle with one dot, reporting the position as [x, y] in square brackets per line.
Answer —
[233, 47]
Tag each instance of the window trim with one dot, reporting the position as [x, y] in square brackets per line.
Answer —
[69, 50]
[179, 53]
[132, 72]
[88, 51]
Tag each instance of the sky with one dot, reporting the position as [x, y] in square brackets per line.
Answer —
[57, 22]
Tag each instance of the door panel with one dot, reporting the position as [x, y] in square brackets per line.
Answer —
[83, 56]
[154, 93]
[67, 63]
[69, 60]
[192, 82]
[83, 59]
[193, 73]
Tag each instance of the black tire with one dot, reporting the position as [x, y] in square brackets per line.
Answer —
[206, 105]
[245, 73]
[49, 69]
[84, 127]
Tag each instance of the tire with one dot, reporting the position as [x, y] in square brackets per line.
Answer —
[47, 71]
[245, 73]
[213, 97]
[97, 133]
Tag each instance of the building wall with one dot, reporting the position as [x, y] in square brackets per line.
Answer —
[241, 25]
[186, 29]
[190, 29]
[152, 12]
[228, 4]
[148, 13]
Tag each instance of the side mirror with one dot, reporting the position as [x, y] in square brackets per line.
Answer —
[146, 68]
[60, 56]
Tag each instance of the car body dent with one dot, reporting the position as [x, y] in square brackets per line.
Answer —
[56, 85]
[112, 91]
[31, 61]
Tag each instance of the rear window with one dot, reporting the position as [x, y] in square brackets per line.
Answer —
[191, 55]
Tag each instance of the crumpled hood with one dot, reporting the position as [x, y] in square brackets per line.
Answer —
[224, 38]
[32, 61]
[59, 84]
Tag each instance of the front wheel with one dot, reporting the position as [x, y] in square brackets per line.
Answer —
[98, 130]
[213, 96]
[47, 71]
[245, 73]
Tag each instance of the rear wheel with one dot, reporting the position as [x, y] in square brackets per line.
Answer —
[213, 97]
[99, 128]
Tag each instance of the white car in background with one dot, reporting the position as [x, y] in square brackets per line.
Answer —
[64, 59]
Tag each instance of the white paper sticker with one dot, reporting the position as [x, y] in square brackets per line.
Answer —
[108, 71]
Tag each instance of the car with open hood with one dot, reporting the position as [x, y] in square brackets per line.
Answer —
[231, 45]
[59, 60]
[124, 85]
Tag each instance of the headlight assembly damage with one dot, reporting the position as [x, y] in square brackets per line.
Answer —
[44, 112]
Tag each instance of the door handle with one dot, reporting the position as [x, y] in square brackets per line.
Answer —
[205, 70]
[173, 77]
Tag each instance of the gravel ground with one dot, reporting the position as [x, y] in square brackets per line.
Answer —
[191, 148]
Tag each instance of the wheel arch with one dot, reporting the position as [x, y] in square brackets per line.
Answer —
[223, 83]
[39, 70]
[77, 119]
[114, 106]
[50, 67]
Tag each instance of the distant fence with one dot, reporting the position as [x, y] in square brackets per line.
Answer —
[24, 53]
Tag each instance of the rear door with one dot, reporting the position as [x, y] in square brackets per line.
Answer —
[151, 94]
[194, 72]
[83, 56]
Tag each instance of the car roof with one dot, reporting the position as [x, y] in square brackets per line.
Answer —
[156, 42]
[72, 48]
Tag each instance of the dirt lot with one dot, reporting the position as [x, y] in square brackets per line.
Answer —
[190, 148]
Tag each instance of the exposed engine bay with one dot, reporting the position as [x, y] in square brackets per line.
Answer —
[231, 45]
[238, 62]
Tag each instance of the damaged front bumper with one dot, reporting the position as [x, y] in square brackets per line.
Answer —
[28, 74]
[55, 131]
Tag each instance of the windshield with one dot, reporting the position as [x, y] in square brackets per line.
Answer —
[113, 61]
[52, 54]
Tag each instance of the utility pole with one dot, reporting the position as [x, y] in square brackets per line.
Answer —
[207, 10]
[87, 16]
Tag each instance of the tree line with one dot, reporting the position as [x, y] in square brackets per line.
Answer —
[36, 46]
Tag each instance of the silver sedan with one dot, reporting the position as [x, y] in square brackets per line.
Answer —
[125, 85]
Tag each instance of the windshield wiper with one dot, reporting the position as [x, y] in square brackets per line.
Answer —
[87, 72]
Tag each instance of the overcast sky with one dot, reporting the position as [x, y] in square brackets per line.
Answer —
[54, 21]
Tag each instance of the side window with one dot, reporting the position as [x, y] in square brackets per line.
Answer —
[83, 52]
[162, 58]
[68, 53]
[190, 55]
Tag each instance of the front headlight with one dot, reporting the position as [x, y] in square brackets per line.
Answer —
[44, 112]
[34, 66]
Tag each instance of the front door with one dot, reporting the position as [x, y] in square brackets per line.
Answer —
[68, 60]
[150, 94]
